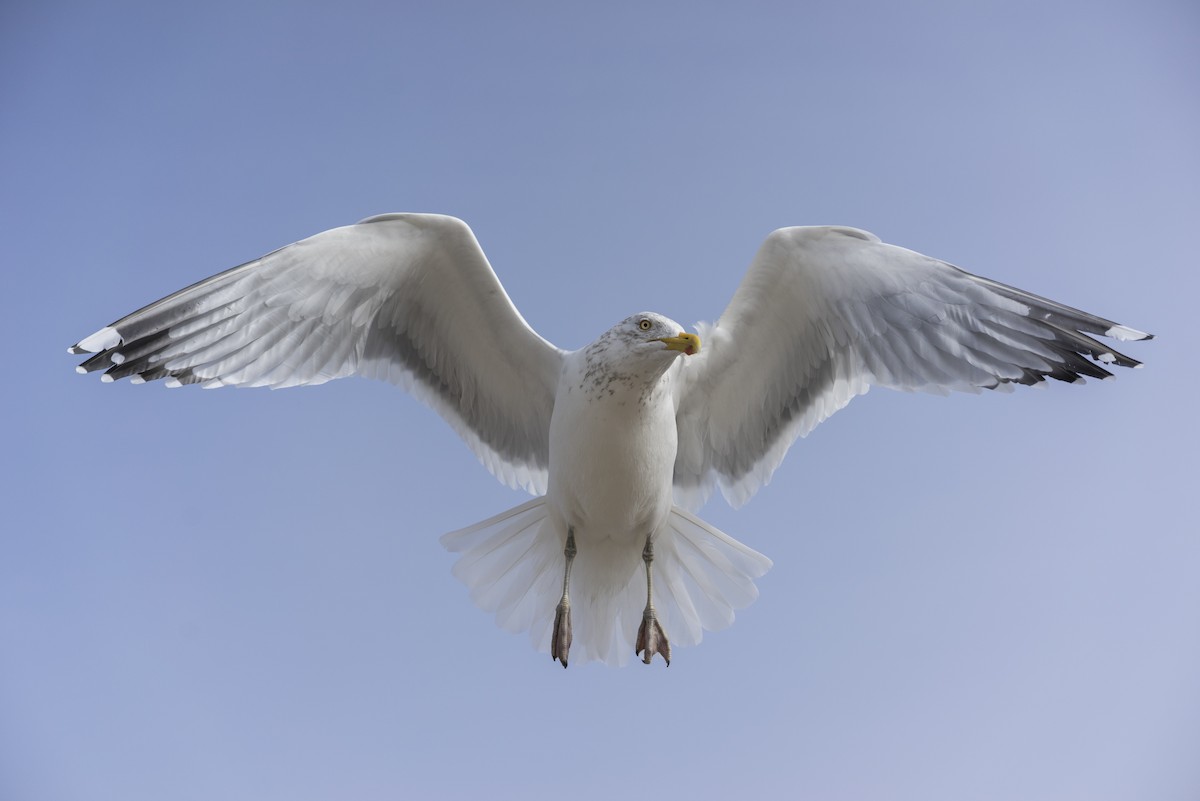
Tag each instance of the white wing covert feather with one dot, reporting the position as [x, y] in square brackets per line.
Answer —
[407, 298]
[824, 313]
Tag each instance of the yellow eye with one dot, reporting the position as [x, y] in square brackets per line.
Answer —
[645, 325]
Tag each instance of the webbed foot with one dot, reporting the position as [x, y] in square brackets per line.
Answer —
[652, 639]
[560, 640]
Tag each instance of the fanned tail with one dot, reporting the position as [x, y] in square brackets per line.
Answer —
[513, 564]
[702, 576]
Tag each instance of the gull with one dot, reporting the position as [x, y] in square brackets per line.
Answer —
[624, 438]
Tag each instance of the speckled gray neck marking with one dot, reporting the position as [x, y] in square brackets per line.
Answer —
[614, 366]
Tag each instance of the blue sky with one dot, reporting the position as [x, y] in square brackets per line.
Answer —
[240, 594]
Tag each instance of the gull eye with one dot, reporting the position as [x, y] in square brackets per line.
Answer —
[644, 325]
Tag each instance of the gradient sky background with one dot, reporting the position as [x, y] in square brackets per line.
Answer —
[240, 594]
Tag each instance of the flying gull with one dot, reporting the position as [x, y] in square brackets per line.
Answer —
[620, 438]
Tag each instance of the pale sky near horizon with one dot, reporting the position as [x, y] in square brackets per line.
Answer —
[240, 594]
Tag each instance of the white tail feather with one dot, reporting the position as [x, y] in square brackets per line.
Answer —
[513, 564]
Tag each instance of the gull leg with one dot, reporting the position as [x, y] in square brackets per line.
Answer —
[651, 638]
[560, 640]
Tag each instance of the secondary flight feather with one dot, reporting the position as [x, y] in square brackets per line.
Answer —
[620, 438]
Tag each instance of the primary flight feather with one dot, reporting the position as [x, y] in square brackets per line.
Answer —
[618, 438]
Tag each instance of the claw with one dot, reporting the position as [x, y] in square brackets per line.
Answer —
[652, 639]
[560, 640]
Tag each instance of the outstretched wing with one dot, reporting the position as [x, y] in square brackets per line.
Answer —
[408, 298]
[824, 313]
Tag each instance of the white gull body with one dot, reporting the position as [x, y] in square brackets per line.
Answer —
[625, 423]
[620, 438]
[616, 404]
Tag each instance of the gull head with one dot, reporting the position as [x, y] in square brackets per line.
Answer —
[635, 353]
[654, 335]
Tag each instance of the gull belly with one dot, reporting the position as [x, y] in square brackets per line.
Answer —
[612, 454]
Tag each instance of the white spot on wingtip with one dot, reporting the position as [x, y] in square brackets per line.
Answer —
[137, 379]
[103, 339]
[117, 358]
[106, 379]
[1124, 332]
[173, 383]
[80, 370]
[1108, 358]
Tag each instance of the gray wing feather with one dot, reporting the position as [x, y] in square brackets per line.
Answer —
[826, 312]
[407, 298]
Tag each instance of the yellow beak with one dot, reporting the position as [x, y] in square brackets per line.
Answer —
[688, 343]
